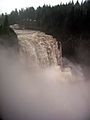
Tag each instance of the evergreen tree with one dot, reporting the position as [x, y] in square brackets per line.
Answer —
[6, 23]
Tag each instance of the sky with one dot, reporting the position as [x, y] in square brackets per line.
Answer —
[9, 5]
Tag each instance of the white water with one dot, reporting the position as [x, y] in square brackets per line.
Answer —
[44, 94]
[39, 49]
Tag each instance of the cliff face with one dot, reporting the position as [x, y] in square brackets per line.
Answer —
[8, 39]
[84, 50]
[76, 46]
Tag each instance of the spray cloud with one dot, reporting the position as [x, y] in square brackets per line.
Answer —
[49, 94]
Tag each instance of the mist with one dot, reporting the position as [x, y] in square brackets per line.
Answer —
[52, 93]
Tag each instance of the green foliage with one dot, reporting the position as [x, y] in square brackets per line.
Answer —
[8, 37]
[4, 26]
[6, 23]
[69, 17]
[62, 21]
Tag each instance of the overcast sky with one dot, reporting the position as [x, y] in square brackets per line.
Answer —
[9, 5]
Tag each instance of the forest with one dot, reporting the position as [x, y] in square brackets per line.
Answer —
[69, 23]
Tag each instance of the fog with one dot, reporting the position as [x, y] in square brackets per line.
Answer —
[52, 93]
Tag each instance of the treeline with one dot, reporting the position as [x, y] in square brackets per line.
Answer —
[69, 17]
[67, 22]
[4, 25]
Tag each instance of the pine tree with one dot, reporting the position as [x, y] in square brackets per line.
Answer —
[6, 23]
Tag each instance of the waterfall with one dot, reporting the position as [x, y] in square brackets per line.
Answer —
[41, 94]
[38, 49]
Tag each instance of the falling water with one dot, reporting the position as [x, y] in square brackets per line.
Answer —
[38, 49]
[45, 94]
